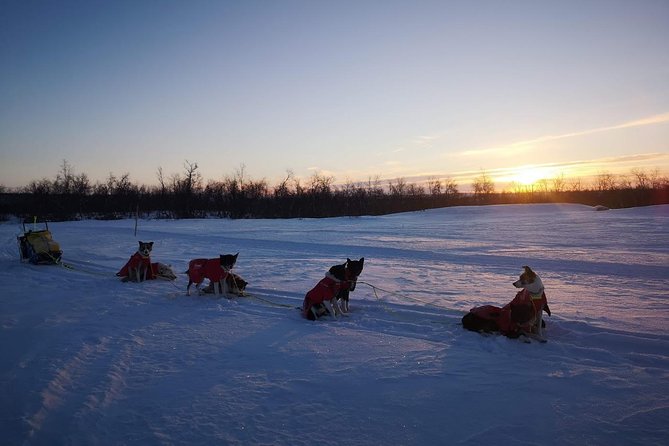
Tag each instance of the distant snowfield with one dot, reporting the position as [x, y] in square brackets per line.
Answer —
[89, 360]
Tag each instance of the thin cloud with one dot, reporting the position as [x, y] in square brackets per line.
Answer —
[657, 119]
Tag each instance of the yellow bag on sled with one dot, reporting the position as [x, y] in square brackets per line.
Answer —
[39, 247]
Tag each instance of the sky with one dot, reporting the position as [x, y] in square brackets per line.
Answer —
[349, 89]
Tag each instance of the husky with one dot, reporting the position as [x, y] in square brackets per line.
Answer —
[351, 269]
[232, 284]
[138, 268]
[216, 270]
[523, 316]
[531, 282]
[164, 271]
[324, 298]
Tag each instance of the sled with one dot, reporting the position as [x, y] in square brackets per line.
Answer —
[38, 246]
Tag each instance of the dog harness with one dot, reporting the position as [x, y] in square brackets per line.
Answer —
[136, 261]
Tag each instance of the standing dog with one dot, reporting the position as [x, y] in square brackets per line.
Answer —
[528, 312]
[139, 268]
[335, 286]
[216, 270]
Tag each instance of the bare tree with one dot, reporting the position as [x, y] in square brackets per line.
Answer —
[320, 184]
[576, 185]
[624, 182]
[542, 184]
[415, 190]
[240, 175]
[374, 187]
[283, 189]
[161, 181]
[657, 181]
[483, 185]
[642, 181]
[605, 181]
[192, 181]
[559, 183]
[81, 184]
[434, 186]
[111, 183]
[64, 179]
[450, 187]
[398, 188]
[40, 187]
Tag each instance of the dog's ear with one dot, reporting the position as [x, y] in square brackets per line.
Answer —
[348, 260]
[140, 243]
[235, 256]
[362, 260]
[150, 244]
[529, 271]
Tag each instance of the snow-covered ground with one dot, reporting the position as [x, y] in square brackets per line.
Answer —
[88, 360]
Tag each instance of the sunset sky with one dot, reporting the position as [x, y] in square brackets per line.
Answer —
[354, 89]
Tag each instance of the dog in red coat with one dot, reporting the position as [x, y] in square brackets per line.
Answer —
[216, 270]
[139, 267]
[337, 283]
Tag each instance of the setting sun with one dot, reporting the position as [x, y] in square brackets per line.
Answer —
[527, 175]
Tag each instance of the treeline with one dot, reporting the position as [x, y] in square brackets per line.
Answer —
[72, 196]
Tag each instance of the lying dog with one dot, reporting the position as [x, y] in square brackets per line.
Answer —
[334, 287]
[233, 284]
[530, 317]
[163, 271]
[139, 268]
[521, 316]
[216, 270]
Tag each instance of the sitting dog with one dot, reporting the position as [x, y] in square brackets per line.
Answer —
[530, 317]
[139, 268]
[213, 269]
[325, 296]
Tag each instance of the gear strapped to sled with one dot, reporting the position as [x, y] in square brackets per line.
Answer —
[39, 247]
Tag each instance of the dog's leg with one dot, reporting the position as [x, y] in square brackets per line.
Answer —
[328, 305]
[338, 308]
[144, 271]
[539, 327]
[217, 287]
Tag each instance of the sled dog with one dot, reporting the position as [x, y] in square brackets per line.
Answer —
[138, 268]
[233, 284]
[216, 270]
[530, 281]
[325, 297]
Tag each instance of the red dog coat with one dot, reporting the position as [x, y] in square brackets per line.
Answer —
[324, 290]
[200, 269]
[136, 261]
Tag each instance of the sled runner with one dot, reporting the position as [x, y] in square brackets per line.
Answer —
[38, 246]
